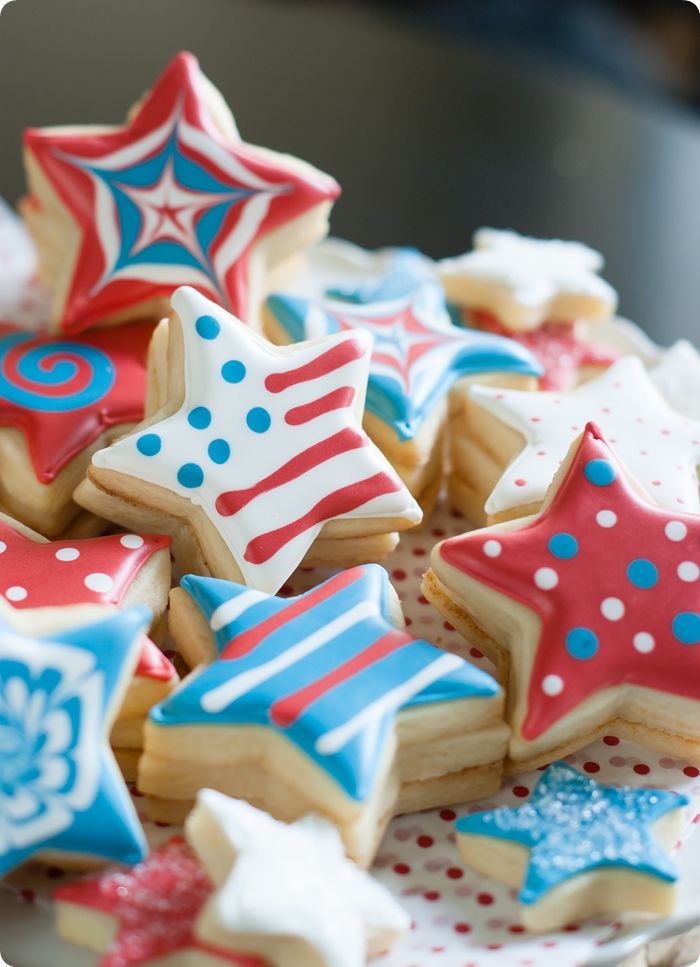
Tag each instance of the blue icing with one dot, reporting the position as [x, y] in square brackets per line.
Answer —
[233, 371]
[353, 611]
[401, 393]
[563, 546]
[258, 419]
[404, 272]
[50, 374]
[581, 643]
[601, 473]
[207, 327]
[686, 627]
[199, 418]
[190, 475]
[190, 175]
[572, 824]
[219, 451]
[52, 689]
[642, 573]
[149, 444]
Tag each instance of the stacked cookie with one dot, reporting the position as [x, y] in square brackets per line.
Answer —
[258, 416]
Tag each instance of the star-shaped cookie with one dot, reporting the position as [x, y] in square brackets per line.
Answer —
[172, 197]
[594, 601]
[590, 848]
[59, 694]
[418, 353]
[258, 447]
[372, 719]
[660, 447]
[525, 282]
[152, 909]
[285, 891]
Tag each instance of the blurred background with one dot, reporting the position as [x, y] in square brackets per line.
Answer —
[570, 118]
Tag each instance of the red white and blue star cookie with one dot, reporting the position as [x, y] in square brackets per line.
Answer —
[59, 694]
[591, 608]
[260, 449]
[121, 216]
[319, 703]
[589, 849]
[60, 400]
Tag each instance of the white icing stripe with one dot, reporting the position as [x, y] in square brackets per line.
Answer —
[333, 741]
[219, 698]
[230, 610]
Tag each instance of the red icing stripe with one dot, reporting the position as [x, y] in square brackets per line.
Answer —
[339, 355]
[244, 643]
[340, 502]
[231, 501]
[336, 400]
[287, 710]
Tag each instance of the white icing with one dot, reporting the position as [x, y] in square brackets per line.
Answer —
[534, 271]
[661, 448]
[623, 335]
[294, 881]
[255, 456]
[677, 377]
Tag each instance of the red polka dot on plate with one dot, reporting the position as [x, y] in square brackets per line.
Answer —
[431, 896]
[484, 899]
[454, 873]
[462, 928]
[691, 771]
[449, 815]
[398, 574]
[611, 740]
[519, 482]
[425, 842]
[591, 766]
[403, 869]
[520, 791]
[641, 769]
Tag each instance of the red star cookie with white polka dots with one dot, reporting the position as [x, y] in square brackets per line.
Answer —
[591, 609]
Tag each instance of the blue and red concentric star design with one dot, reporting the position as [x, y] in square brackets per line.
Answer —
[174, 197]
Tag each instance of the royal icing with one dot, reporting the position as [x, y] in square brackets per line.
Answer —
[614, 579]
[169, 199]
[328, 670]
[39, 574]
[63, 395]
[61, 788]
[533, 271]
[156, 904]
[661, 447]
[417, 354]
[677, 377]
[404, 270]
[266, 442]
[292, 881]
[556, 346]
[572, 825]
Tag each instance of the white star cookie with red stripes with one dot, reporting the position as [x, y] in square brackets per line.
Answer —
[258, 448]
[529, 435]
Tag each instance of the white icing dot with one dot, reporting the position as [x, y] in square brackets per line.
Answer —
[67, 554]
[3, 547]
[688, 571]
[16, 593]
[492, 548]
[612, 609]
[643, 642]
[606, 518]
[552, 685]
[131, 540]
[99, 582]
[546, 578]
[675, 530]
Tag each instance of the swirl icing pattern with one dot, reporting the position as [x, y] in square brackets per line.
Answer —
[62, 395]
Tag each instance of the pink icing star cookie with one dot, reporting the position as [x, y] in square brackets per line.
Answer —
[122, 216]
[591, 609]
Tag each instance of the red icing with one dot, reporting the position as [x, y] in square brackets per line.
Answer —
[598, 571]
[328, 362]
[555, 346]
[32, 566]
[54, 438]
[155, 903]
[180, 92]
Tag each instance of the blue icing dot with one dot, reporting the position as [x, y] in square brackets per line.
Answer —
[190, 475]
[199, 418]
[219, 451]
[148, 444]
[233, 371]
[258, 419]
[564, 546]
[642, 573]
[686, 627]
[207, 327]
[600, 472]
[581, 643]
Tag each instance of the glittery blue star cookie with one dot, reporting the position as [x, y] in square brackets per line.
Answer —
[571, 826]
[60, 788]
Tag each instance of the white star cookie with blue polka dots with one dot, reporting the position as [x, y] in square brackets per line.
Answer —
[254, 452]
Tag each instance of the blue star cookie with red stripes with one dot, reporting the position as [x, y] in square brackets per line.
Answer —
[259, 448]
[320, 703]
